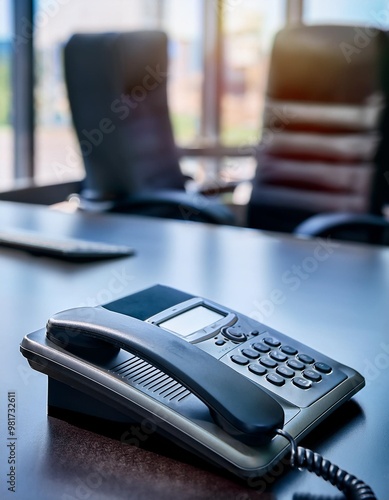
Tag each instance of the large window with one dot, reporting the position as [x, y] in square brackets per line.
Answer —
[218, 58]
[246, 30]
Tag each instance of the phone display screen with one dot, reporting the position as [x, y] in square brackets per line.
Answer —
[191, 321]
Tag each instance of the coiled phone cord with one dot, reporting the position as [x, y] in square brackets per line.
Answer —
[303, 458]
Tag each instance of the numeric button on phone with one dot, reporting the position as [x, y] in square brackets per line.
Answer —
[285, 371]
[275, 379]
[323, 367]
[278, 356]
[272, 341]
[250, 353]
[306, 359]
[269, 363]
[257, 369]
[296, 364]
[287, 349]
[312, 375]
[302, 383]
[239, 360]
[260, 347]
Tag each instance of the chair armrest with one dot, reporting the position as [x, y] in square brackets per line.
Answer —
[328, 224]
[190, 206]
[183, 205]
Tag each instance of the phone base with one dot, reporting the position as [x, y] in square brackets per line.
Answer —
[79, 409]
[65, 402]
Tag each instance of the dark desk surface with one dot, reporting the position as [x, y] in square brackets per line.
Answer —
[335, 298]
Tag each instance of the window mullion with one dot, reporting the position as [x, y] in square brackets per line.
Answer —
[294, 11]
[23, 89]
[212, 60]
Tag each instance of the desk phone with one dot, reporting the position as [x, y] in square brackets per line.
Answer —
[230, 389]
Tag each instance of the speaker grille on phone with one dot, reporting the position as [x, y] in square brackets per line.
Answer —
[143, 375]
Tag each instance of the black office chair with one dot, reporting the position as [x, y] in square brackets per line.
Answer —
[321, 127]
[116, 85]
[372, 227]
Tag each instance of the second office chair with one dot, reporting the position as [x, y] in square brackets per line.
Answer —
[117, 88]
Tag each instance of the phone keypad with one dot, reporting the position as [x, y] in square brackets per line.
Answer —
[284, 368]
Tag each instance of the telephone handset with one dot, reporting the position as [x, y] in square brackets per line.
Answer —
[227, 387]
[252, 416]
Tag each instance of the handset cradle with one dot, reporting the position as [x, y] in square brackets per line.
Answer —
[238, 406]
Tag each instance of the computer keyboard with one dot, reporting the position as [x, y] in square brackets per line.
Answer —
[62, 248]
